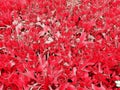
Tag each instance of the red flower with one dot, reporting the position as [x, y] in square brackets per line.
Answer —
[59, 44]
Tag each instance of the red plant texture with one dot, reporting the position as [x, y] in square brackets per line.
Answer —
[59, 44]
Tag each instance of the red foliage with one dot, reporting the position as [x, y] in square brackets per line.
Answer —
[59, 44]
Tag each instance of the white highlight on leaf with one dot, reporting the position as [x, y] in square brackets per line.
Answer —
[38, 18]
[12, 63]
[49, 40]
[117, 83]
[58, 34]
[78, 40]
[74, 71]
[66, 64]
[15, 22]
[18, 27]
